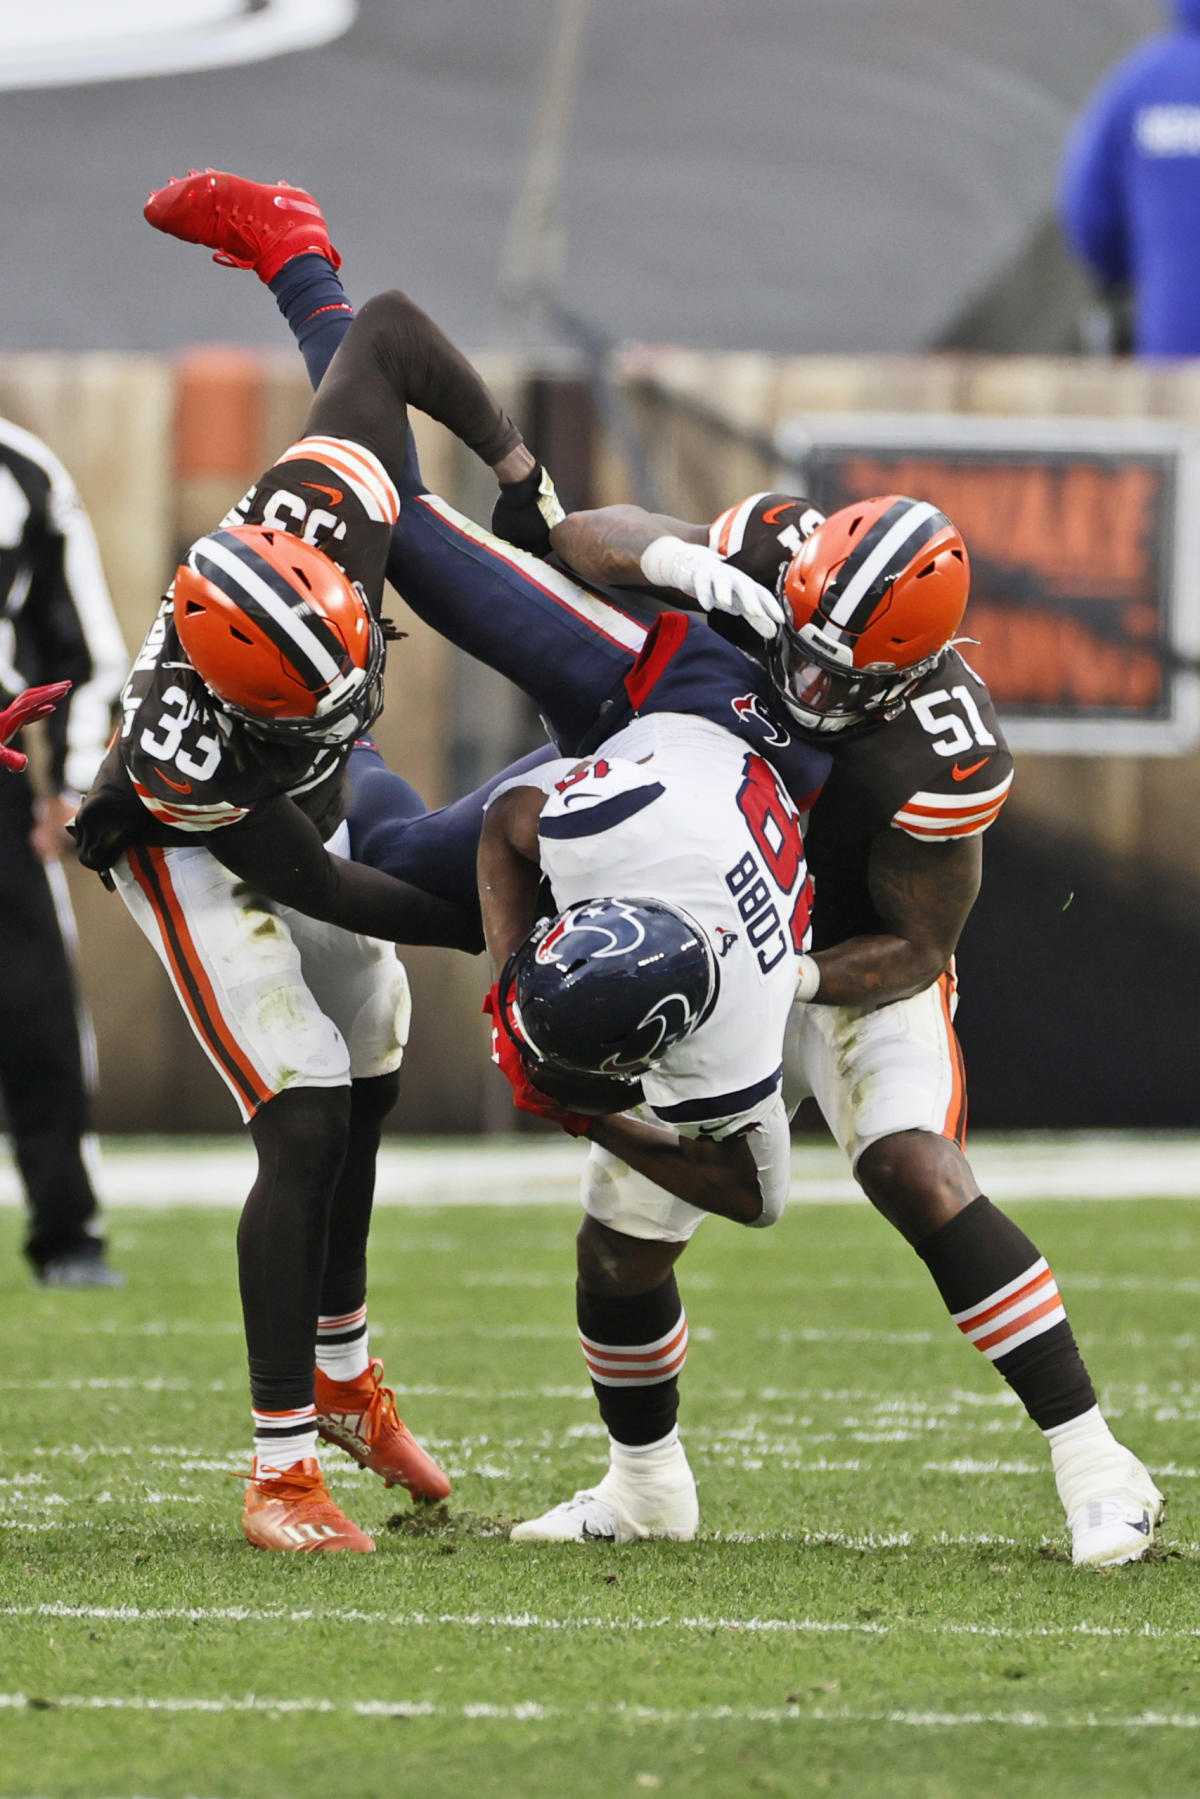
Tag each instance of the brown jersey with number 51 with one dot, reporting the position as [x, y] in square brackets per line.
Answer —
[938, 769]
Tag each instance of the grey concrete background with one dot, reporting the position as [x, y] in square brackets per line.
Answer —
[805, 175]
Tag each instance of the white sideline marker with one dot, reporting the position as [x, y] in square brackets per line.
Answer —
[162, 1173]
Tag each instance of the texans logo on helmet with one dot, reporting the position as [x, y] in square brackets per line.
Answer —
[609, 931]
[669, 1019]
[748, 706]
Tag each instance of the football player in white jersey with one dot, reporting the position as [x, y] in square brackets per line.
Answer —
[674, 810]
[864, 667]
[873, 596]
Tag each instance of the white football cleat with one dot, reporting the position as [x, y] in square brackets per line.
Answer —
[622, 1509]
[1113, 1506]
[1108, 1532]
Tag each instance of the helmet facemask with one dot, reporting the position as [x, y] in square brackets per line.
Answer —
[828, 697]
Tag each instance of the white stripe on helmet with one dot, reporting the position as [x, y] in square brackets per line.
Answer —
[252, 584]
[917, 515]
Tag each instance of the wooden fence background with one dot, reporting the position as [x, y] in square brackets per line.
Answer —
[160, 449]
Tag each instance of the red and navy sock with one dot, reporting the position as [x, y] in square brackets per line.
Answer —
[1004, 1299]
[314, 303]
[634, 1348]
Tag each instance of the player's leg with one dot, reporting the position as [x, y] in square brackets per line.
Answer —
[41, 1072]
[891, 1087]
[634, 1336]
[436, 851]
[236, 970]
[565, 645]
[362, 987]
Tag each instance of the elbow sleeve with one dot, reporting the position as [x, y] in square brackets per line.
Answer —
[771, 1146]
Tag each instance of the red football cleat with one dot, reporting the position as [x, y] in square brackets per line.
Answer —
[360, 1417]
[250, 224]
[292, 1510]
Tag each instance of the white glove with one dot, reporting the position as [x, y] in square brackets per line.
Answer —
[694, 569]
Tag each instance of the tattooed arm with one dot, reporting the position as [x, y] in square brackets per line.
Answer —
[607, 545]
[923, 893]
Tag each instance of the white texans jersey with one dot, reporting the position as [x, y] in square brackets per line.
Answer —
[676, 809]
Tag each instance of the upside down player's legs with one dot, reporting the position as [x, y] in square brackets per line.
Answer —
[565, 646]
[390, 828]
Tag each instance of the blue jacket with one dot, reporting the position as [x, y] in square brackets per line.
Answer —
[1130, 189]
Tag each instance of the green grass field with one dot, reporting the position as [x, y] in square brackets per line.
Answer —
[881, 1602]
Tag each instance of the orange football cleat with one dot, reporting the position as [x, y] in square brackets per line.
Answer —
[250, 224]
[292, 1510]
[360, 1417]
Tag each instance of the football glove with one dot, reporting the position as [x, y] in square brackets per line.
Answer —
[507, 1055]
[714, 584]
[32, 703]
[526, 510]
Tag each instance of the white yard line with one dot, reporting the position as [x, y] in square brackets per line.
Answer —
[534, 1711]
[167, 1172]
[532, 1621]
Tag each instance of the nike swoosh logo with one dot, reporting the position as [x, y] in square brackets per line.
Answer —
[179, 786]
[964, 774]
[776, 513]
[336, 496]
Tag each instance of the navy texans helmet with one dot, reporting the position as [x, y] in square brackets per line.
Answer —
[610, 985]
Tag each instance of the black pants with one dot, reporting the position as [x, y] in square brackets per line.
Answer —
[41, 1074]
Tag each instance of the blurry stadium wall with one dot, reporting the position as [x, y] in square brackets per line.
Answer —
[1081, 964]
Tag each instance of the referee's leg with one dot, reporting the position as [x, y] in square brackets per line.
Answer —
[41, 1072]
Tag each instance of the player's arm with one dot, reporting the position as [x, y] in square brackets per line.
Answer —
[509, 871]
[623, 546]
[722, 1176]
[923, 893]
[607, 544]
[278, 852]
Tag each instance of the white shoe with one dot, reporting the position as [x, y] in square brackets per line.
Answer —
[1112, 1505]
[622, 1510]
[1107, 1532]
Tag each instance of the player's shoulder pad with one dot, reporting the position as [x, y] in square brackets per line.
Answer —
[963, 803]
[953, 766]
[596, 796]
[341, 467]
[168, 799]
[761, 534]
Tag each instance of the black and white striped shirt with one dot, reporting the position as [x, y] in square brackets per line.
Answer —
[56, 618]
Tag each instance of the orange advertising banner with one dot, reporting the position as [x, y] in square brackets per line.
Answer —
[1085, 597]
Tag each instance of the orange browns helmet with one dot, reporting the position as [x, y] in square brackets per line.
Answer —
[871, 601]
[280, 636]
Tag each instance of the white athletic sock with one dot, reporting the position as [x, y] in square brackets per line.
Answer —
[1088, 1461]
[343, 1345]
[281, 1439]
[643, 1463]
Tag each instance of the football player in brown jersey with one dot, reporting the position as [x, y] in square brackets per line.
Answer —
[211, 816]
[873, 596]
[865, 666]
